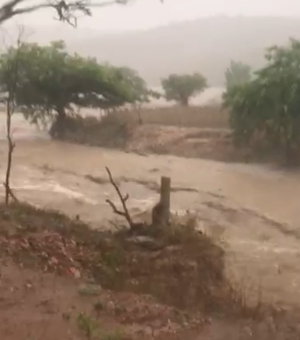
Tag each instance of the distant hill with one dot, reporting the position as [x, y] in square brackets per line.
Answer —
[206, 45]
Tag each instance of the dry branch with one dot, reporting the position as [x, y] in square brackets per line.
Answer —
[66, 10]
[123, 199]
[10, 109]
[11, 145]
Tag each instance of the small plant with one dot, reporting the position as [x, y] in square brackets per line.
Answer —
[87, 325]
[91, 329]
[112, 258]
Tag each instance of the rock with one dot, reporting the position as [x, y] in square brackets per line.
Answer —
[146, 242]
[75, 272]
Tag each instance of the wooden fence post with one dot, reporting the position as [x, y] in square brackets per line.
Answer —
[161, 211]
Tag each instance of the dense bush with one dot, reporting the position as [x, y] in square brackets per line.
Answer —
[267, 109]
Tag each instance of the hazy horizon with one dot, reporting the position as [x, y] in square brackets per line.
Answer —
[179, 36]
[144, 14]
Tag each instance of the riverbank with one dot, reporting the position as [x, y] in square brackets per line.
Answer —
[237, 202]
[59, 277]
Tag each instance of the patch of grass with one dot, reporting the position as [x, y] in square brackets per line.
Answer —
[88, 326]
[92, 330]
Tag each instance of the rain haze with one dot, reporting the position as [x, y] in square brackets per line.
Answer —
[215, 256]
[178, 36]
[145, 14]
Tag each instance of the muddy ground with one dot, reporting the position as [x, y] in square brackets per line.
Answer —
[252, 211]
[61, 278]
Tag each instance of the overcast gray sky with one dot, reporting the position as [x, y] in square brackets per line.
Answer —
[150, 13]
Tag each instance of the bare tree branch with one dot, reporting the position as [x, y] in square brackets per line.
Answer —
[10, 109]
[115, 209]
[123, 199]
[66, 10]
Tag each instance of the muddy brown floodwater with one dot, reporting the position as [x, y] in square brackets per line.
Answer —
[254, 211]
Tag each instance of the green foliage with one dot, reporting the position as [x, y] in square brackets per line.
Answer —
[138, 92]
[182, 87]
[269, 105]
[52, 82]
[237, 74]
[92, 330]
[87, 325]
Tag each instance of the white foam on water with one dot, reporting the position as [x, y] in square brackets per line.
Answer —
[57, 188]
[21, 129]
[144, 203]
[265, 247]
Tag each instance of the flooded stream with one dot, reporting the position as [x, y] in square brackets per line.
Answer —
[253, 210]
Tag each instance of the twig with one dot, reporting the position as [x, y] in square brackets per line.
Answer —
[10, 151]
[66, 10]
[114, 208]
[123, 200]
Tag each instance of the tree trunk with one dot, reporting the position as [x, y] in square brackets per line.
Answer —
[138, 108]
[58, 128]
[184, 101]
[291, 156]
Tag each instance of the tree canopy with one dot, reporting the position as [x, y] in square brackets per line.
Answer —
[237, 74]
[138, 91]
[269, 105]
[51, 82]
[181, 88]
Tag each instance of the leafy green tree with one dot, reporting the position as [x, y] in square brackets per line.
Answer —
[52, 82]
[269, 106]
[181, 88]
[237, 74]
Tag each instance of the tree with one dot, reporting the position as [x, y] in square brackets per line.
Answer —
[269, 105]
[66, 10]
[52, 82]
[182, 87]
[237, 74]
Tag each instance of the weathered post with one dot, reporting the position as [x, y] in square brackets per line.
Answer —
[161, 211]
[165, 197]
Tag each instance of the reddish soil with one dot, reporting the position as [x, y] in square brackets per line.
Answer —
[56, 274]
[49, 284]
[45, 306]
